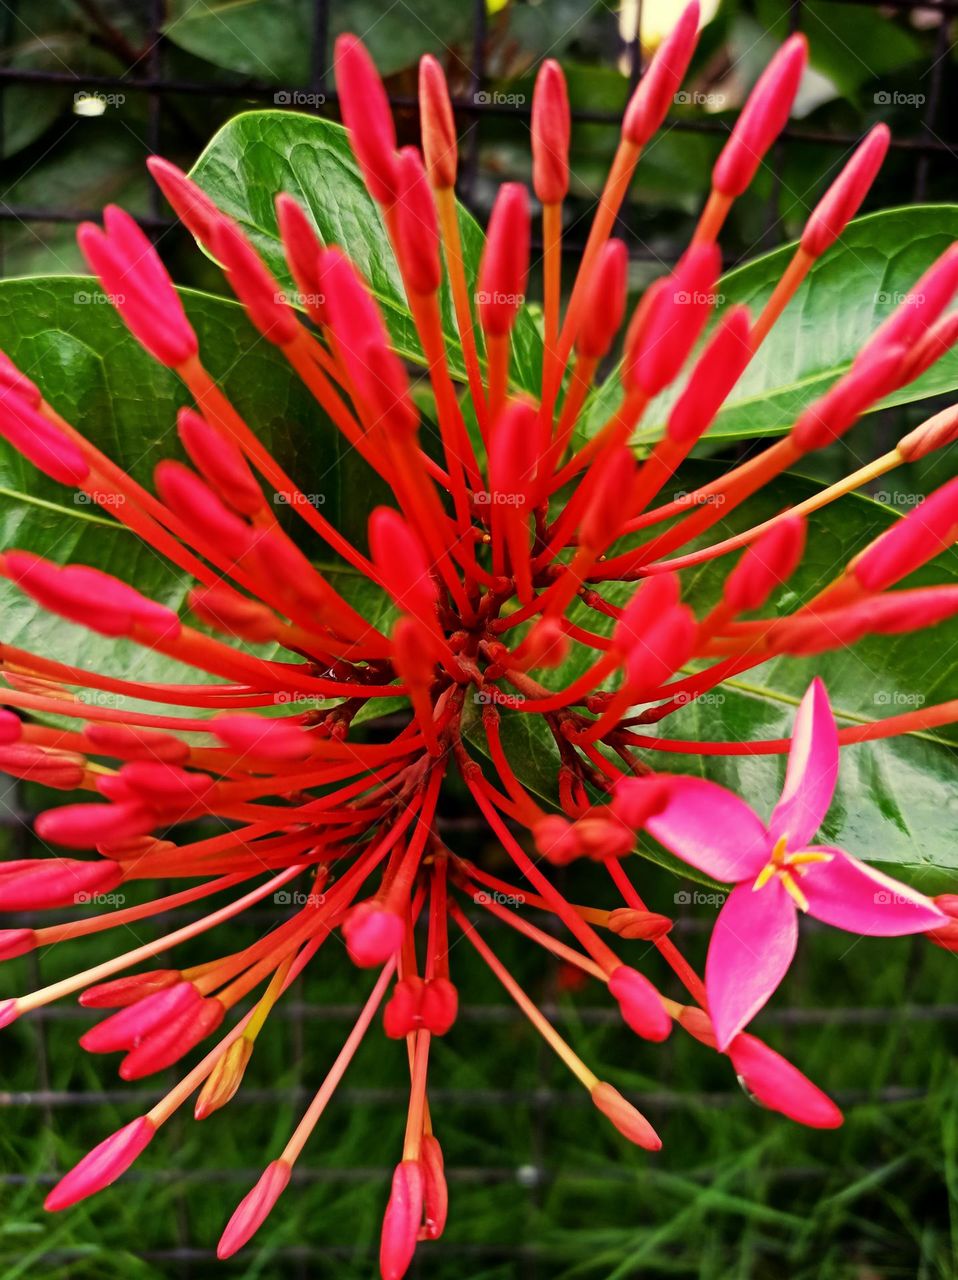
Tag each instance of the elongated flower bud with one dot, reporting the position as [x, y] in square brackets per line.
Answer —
[656, 596]
[831, 416]
[919, 309]
[604, 303]
[121, 992]
[84, 826]
[844, 197]
[15, 381]
[403, 564]
[630, 1122]
[439, 144]
[191, 204]
[716, 372]
[367, 116]
[640, 1004]
[417, 230]
[505, 261]
[937, 340]
[416, 650]
[610, 503]
[63, 770]
[766, 564]
[630, 922]
[762, 118]
[16, 942]
[221, 607]
[512, 456]
[137, 283]
[402, 1221]
[102, 1165]
[131, 742]
[40, 441]
[165, 784]
[221, 462]
[195, 503]
[11, 727]
[775, 1083]
[550, 134]
[167, 1043]
[656, 90]
[910, 542]
[673, 321]
[938, 432]
[263, 739]
[34, 885]
[127, 1027]
[254, 285]
[435, 1198]
[303, 255]
[253, 1210]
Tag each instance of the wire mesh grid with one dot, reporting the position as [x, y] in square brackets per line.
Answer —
[928, 152]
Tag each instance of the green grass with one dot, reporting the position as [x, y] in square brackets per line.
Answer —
[540, 1184]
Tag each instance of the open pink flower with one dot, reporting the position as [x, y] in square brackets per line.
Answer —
[777, 872]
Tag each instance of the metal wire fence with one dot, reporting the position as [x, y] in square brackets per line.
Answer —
[929, 155]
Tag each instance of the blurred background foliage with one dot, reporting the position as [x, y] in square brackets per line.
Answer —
[540, 1187]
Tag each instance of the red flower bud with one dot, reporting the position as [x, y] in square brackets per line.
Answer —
[13, 380]
[40, 441]
[629, 1122]
[550, 134]
[655, 92]
[639, 1003]
[505, 261]
[198, 506]
[844, 197]
[402, 1221]
[121, 992]
[253, 283]
[937, 340]
[673, 321]
[303, 255]
[403, 565]
[102, 1165]
[438, 1005]
[191, 204]
[130, 742]
[416, 651]
[604, 301]
[221, 607]
[630, 922]
[556, 840]
[911, 542]
[417, 231]
[168, 1042]
[775, 1083]
[920, 308]
[63, 770]
[262, 739]
[11, 727]
[124, 1029]
[16, 942]
[84, 826]
[435, 1193]
[253, 1210]
[512, 455]
[715, 373]
[221, 462]
[367, 116]
[845, 402]
[401, 1014]
[635, 800]
[770, 561]
[34, 885]
[373, 935]
[439, 144]
[656, 596]
[762, 118]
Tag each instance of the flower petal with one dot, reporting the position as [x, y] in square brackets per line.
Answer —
[849, 895]
[752, 945]
[812, 771]
[711, 829]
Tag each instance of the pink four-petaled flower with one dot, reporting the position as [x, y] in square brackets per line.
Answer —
[777, 872]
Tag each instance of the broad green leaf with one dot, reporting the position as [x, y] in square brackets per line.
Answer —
[271, 39]
[896, 803]
[261, 153]
[842, 302]
[67, 337]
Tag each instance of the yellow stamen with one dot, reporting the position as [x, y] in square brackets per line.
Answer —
[791, 886]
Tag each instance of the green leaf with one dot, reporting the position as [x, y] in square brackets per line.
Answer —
[68, 338]
[847, 294]
[270, 39]
[896, 803]
[260, 153]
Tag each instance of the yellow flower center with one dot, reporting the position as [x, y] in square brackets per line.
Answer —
[789, 867]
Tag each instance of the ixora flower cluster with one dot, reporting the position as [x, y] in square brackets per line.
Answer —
[487, 548]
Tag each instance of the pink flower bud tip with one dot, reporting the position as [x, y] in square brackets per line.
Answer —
[373, 935]
[254, 284]
[166, 1043]
[843, 198]
[267, 739]
[550, 134]
[401, 1221]
[84, 826]
[640, 1004]
[505, 261]
[102, 1165]
[439, 143]
[775, 1083]
[54, 882]
[120, 992]
[417, 228]
[402, 1012]
[16, 942]
[10, 727]
[367, 116]
[629, 922]
[9, 1011]
[762, 119]
[655, 93]
[132, 1023]
[435, 1192]
[404, 567]
[192, 205]
[629, 1121]
[604, 303]
[253, 1210]
[40, 441]
[767, 564]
